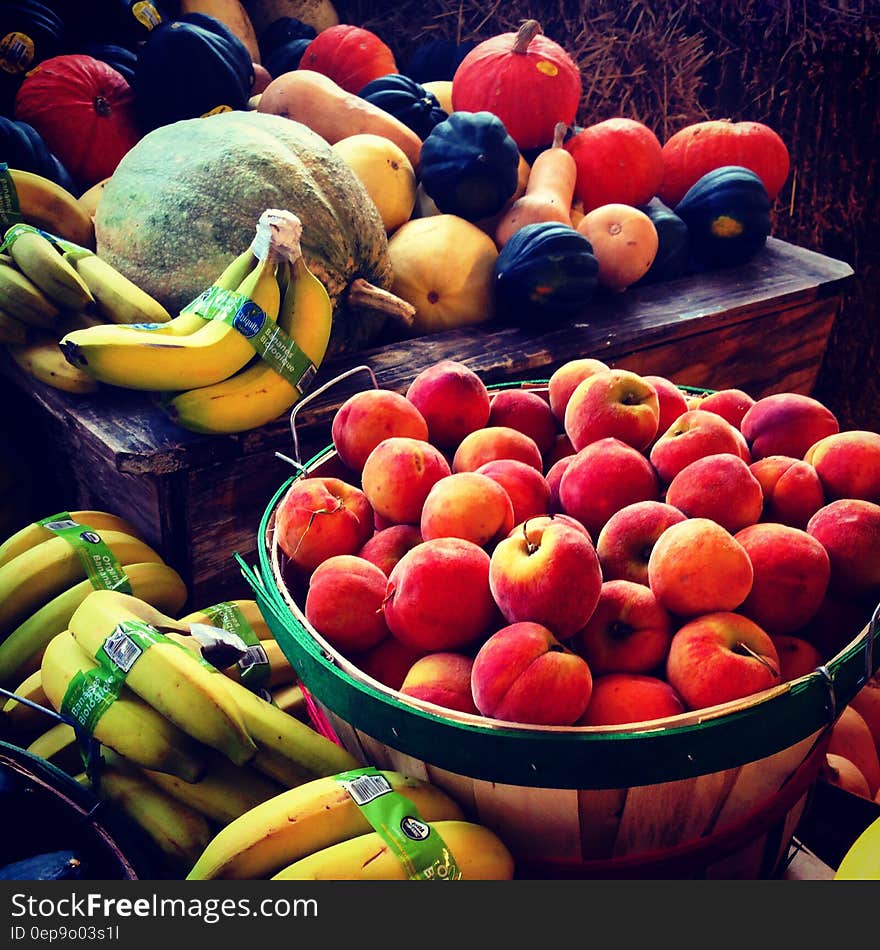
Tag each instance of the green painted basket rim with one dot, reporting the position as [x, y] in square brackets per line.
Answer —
[577, 757]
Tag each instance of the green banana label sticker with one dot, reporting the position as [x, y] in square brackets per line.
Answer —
[254, 666]
[271, 342]
[89, 695]
[101, 564]
[416, 844]
[10, 210]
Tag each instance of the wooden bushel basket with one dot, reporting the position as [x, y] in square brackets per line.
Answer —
[713, 793]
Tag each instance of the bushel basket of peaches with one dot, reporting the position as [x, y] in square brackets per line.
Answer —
[616, 618]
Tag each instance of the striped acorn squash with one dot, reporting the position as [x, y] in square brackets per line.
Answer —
[187, 197]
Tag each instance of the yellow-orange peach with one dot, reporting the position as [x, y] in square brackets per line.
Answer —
[848, 464]
[398, 474]
[698, 567]
[495, 442]
[564, 380]
[525, 410]
[720, 487]
[443, 679]
[627, 698]
[368, 417]
[791, 489]
[467, 505]
[452, 399]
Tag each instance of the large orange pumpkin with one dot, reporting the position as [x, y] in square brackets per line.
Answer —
[526, 79]
[350, 55]
[704, 146]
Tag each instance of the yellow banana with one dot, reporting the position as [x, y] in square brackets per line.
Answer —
[58, 745]
[178, 831]
[117, 298]
[290, 699]
[248, 609]
[276, 732]
[12, 330]
[23, 299]
[135, 358]
[31, 579]
[225, 792]
[42, 359]
[301, 821]
[152, 581]
[257, 394]
[46, 205]
[862, 860]
[478, 853]
[32, 534]
[21, 718]
[129, 725]
[172, 680]
[281, 672]
[40, 260]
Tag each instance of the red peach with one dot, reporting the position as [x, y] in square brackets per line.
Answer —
[625, 542]
[797, 656]
[848, 464]
[388, 662]
[695, 434]
[790, 576]
[554, 477]
[698, 567]
[562, 447]
[495, 442]
[791, 489]
[564, 380]
[525, 410]
[453, 400]
[627, 698]
[534, 527]
[730, 404]
[547, 573]
[719, 487]
[344, 603]
[613, 403]
[368, 417]
[443, 679]
[467, 505]
[628, 632]
[849, 529]
[388, 545]
[720, 657]
[319, 517]
[438, 596]
[529, 491]
[786, 424]
[604, 477]
[398, 474]
[523, 674]
[672, 401]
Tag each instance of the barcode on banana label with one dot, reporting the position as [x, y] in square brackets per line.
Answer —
[366, 788]
[121, 650]
[304, 383]
[60, 525]
[254, 656]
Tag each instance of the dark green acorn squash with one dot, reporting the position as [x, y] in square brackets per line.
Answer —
[189, 67]
[671, 259]
[727, 213]
[22, 146]
[546, 272]
[469, 165]
[281, 31]
[406, 100]
[437, 59]
[286, 57]
[121, 58]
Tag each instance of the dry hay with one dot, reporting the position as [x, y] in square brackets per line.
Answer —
[810, 69]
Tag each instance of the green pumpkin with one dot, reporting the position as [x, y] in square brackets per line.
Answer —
[469, 165]
[727, 213]
[672, 257]
[546, 272]
[406, 100]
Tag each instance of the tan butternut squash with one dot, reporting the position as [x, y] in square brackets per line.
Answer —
[624, 241]
[549, 191]
[231, 13]
[325, 107]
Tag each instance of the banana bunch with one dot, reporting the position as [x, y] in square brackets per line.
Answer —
[44, 578]
[46, 205]
[318, 830]
[214, 379]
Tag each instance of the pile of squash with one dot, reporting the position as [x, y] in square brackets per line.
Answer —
[459, 186]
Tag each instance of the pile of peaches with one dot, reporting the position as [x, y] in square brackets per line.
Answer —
[606, 549]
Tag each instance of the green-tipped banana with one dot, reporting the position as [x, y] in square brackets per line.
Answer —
[117, 299]
[129, 725]
[183, 689]
[140, 359]
[23, 299]
[38, 258]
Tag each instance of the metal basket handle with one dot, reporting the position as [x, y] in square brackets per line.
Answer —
[296, 461]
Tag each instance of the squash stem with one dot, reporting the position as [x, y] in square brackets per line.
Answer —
[525, 34]
[361, 293]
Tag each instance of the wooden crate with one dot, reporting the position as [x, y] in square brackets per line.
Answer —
[762, 327]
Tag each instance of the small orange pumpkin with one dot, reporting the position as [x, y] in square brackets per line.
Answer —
[624, 241]
[350, 55]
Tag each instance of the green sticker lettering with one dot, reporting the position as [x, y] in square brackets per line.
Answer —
[101, 565]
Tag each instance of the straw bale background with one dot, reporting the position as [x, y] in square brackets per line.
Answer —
[810, 69]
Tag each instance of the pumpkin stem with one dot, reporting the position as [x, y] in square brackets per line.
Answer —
[526, 33]
[559, 131]
[102, 106]
[363, 294]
